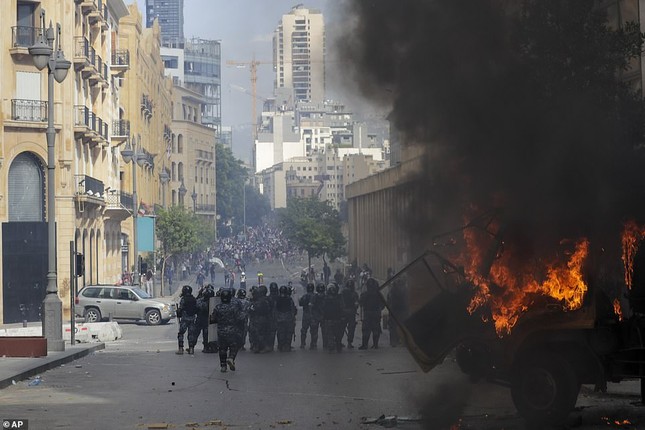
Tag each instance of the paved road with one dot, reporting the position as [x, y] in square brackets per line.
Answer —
[138, 382]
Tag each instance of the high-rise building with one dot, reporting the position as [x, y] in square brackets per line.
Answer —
[299, 54]
[171, 20]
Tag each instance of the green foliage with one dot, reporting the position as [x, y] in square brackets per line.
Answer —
[312, 226]
[179, 231]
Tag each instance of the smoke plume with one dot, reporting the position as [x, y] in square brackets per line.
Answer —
[499, 128]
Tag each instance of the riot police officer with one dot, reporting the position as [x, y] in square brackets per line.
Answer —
[317, 315]
[333, 319]
[372, 304]
[350, 306]
[305, 303]
[285, 314]
[187, 312]
[201, 323]
[227, 316]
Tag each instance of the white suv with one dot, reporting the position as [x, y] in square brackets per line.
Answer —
[98, 302]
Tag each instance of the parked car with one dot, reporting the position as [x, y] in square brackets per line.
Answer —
[98, 302]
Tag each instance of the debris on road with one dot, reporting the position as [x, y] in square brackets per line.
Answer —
[157, 426]
[389, 421]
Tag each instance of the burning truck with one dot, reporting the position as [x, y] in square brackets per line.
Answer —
[542, 327]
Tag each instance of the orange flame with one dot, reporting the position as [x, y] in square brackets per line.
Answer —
[632, 235]
[515, 289]
[618, 309]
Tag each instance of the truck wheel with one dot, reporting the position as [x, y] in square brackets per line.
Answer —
[544, 388]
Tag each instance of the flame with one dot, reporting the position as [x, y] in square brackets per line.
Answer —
[632, 235]
[515, 288]
[618, 309]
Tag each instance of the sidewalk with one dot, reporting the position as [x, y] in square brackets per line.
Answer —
[14, 369]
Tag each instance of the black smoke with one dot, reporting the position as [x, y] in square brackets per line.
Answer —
[515, 111]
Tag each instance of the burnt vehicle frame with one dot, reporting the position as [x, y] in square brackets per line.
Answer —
[547, 356]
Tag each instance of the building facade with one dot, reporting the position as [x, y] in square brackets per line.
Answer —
[299, 54]
[170, 16]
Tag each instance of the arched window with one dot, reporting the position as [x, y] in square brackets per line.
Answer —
[173, 171]
[26, 189]
[174, 143]
[180, 171]
[180, 144]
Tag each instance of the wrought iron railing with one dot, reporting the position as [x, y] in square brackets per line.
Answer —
[121, 127]
[121, 57]
[28, 110]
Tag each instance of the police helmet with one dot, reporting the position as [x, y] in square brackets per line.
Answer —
[225, 295]
[208, 291]
[310, 287]
[241, 293]
[350, 284]
[186, 290]
[262, 290]
[320, 288]
[332, 289]
[372, 284]
[273, 288]
[284, 291]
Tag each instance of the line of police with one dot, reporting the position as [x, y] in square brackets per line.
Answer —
[270, 314]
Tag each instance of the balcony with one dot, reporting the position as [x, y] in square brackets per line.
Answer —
[120, 130]
[89, 191]
[28, 110]
[90, 128]
[22, 38]
[205, 209]
[120, 61]
[118, 204]
[89, 6]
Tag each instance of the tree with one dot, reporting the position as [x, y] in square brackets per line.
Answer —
[312, 226]
[181, 232]
[232, 178]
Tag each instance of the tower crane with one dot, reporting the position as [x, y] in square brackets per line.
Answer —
[253, 67]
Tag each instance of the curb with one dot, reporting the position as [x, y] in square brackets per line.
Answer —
[49, 364]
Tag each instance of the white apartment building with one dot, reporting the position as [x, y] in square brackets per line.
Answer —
[277, 140]
[299, 54]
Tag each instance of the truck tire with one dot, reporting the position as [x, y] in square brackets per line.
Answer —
[544, 388]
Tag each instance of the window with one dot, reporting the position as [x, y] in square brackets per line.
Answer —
[26, 189]
[180, 144]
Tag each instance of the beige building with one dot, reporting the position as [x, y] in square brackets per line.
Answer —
[115, 89]
[299, 54]
[192, 155]
[147, 107]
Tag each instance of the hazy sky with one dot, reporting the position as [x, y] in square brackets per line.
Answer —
[245, 28]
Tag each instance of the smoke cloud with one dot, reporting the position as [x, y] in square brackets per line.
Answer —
[498, 131]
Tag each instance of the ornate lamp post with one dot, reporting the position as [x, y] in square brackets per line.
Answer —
[182, 192]
[164, 177]
[194, 197]
[132, 154]
[44, 55]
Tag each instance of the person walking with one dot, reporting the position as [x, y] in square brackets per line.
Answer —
[229, 317]
[372, 305]
[187, 313]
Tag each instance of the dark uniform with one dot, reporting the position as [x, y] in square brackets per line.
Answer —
[372, 305]
[305, 303]
[244, 304]
[228, 316]
[201, 323]
[350, 306]
[397, 303]
[333, 319]
[285, 313]
[273, 325]
[317, 315]
[259, 320]
[187, 313]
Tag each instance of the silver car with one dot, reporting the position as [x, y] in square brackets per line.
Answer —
[98, 302]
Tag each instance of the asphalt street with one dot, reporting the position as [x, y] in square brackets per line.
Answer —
[138, 382]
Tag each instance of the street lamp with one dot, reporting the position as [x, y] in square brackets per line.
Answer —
[43, 55]
[182, 192]
[194, 197]
[132, 154]
[164, 177]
